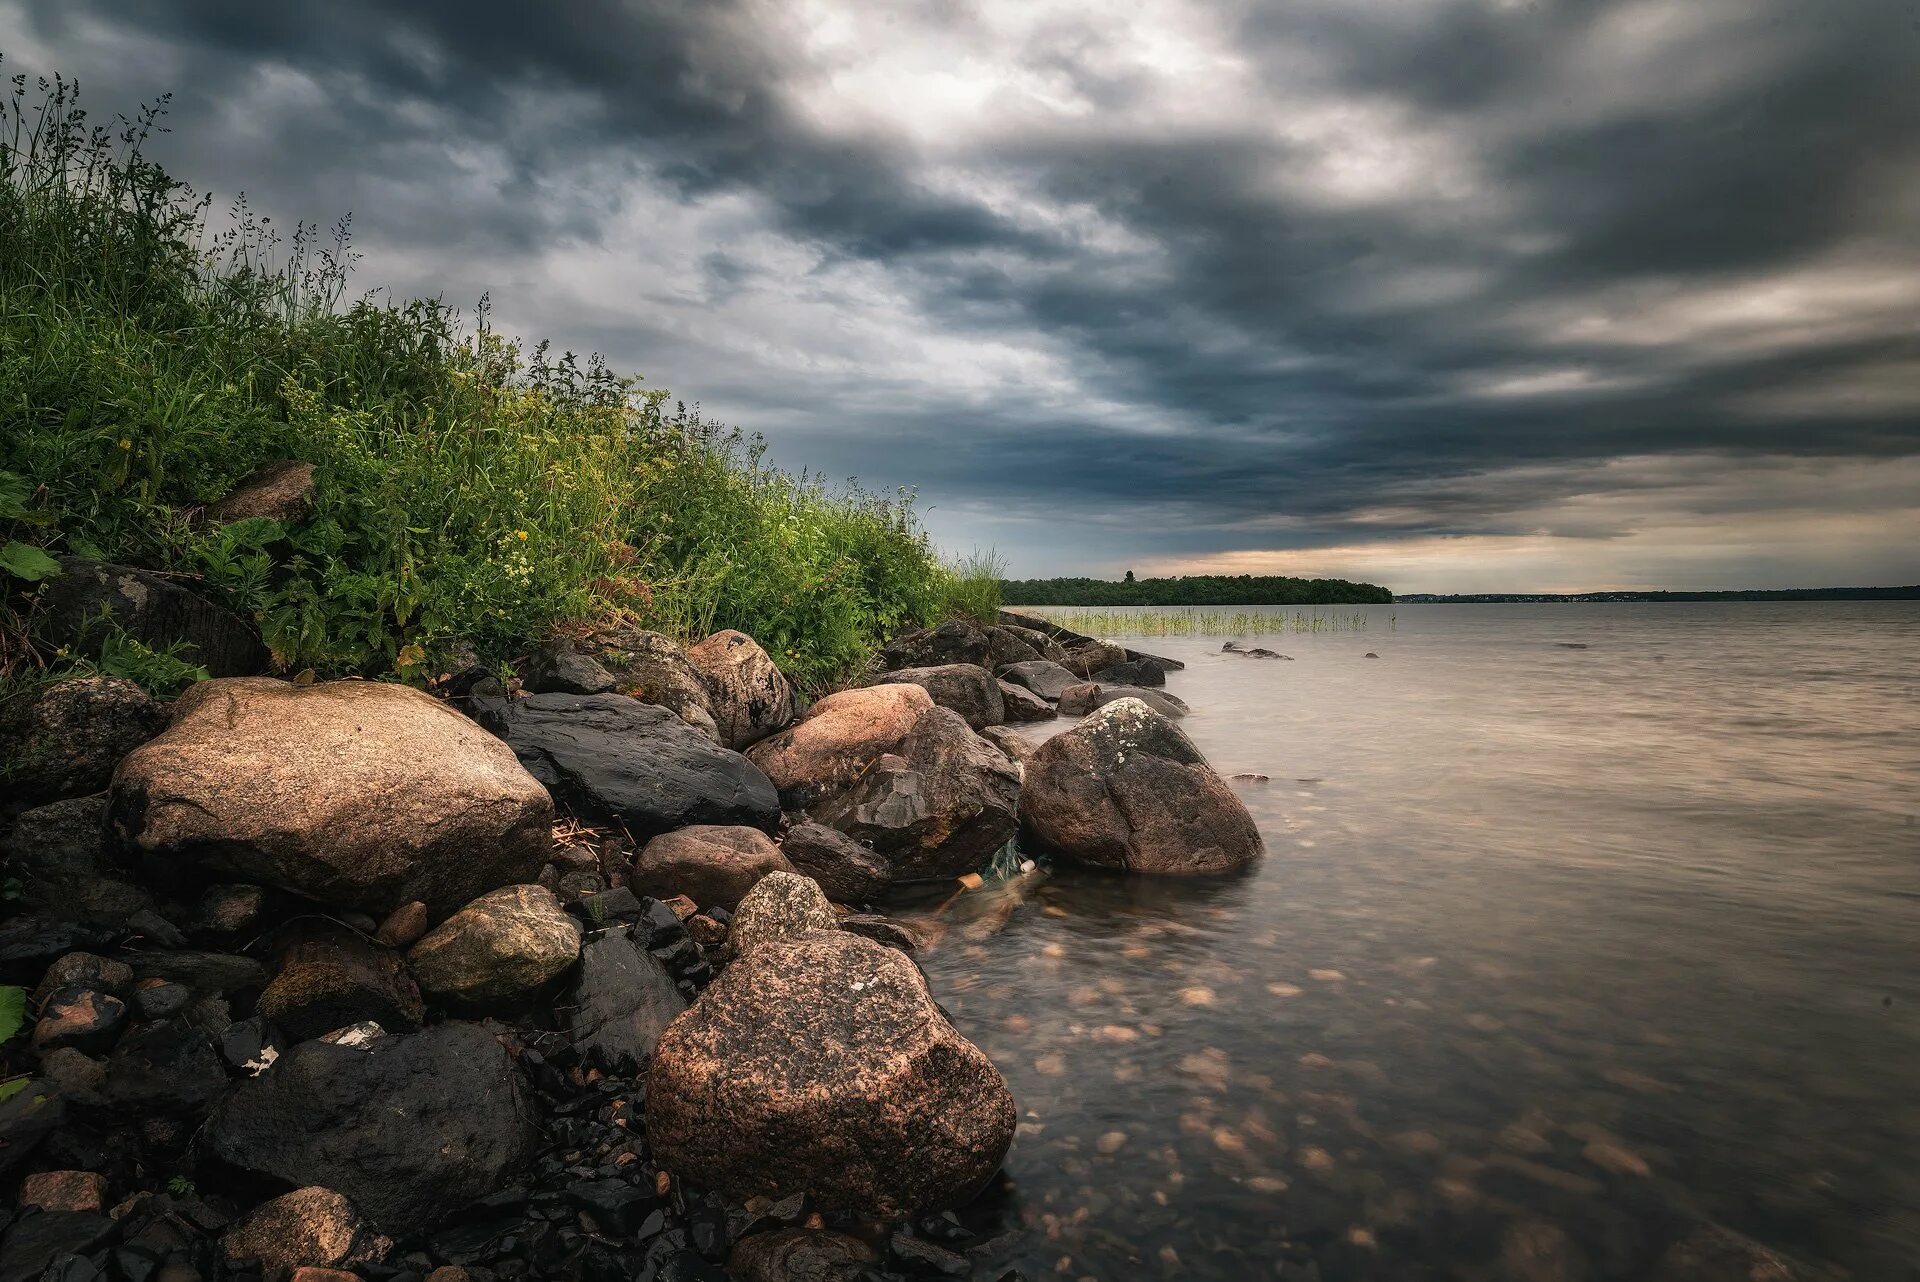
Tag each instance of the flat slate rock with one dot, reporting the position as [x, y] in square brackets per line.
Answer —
[612, 759]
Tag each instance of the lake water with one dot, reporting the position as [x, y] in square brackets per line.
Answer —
[1556, 954]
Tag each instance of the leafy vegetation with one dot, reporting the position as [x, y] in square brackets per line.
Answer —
[1194, 589]
[471, 494]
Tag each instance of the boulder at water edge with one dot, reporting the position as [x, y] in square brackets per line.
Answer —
[410, 1129]
[359, 794]
[499, 950]
[1023, 705]
[750, 697]
[938, 807]
[847, 871]
[1044, 677]
[967, 688]
[821, 1065]
[839, 737]
[611, 759]
[713, 865]
[65, 739]
[1127, 790]
[783, 906]
[1133, 672]
[1087, 656]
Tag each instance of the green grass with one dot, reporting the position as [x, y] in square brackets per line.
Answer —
[472, 493]
[1175, 621]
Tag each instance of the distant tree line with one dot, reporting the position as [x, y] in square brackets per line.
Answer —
[1193, 589]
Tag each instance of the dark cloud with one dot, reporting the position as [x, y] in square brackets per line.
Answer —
[1210, 281]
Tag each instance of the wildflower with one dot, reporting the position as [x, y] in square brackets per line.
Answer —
[521, 535]
[125, 444]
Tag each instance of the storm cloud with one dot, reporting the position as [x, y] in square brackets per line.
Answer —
[1450, 294]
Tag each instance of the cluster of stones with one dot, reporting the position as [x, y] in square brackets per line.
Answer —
[320, 944]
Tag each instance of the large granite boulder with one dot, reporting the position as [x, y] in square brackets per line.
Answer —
[1044, 677]
[65, 738]
[64, 866]
[713, 865]
[939, 807]
[821, 1065]
[499, 950]
[410, 1128]
[611, 759]
[967, 688]
[151, 609]
[836, 741]
[360, 794]
[653, 669]
[1088, 656]
[621, 1002]
[326, 976]
[847, 871]
[1127, 790]
[751, 698]
[955, 641]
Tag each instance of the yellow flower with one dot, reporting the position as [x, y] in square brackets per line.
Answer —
[521, 535]
[125, 444]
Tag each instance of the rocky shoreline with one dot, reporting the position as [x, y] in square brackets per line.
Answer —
[581, 975]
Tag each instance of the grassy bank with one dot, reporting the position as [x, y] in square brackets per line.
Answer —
[471, 491]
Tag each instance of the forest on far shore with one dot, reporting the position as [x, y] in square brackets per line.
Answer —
[1193, 589]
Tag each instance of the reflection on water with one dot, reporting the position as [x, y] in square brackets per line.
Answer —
[1556, 954]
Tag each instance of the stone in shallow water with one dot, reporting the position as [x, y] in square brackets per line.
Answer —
[847, 871]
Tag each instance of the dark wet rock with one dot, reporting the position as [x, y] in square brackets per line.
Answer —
[847, 871]
[27, 1117]
[1134, 672]
[1713, 1254]
[499, 950]
[1012, 645]
[939, 808]
[410, 1129]
[608, 907]
[360, 794]
[29, 943]
[1022, 705]
[251, 1045]
[821, 1065]
[1159, 700]
[801, 1255]
[167, 1069]
[83, 1018]
[309, 1226]
[783, 905]
[617, 1208]
[153, 610]
[89, 970]
[1088, 656]
[1079, 700]
[65, 738]
[38, 1239]
[955, 641]
[158, 999]
[917, 1255]
[559, 670]
[621, 1003]
[1043, 677]
[709, 864]
[204, 972]
[78, 1077]
[1369, 655]
[967, 688]
[233, 911]
[326, 977]
[882, 930]
[61, 858]
[837, 739]
[1127, 790]
[750, 696]
[611, 759]
[655, 670]
[403, 926]
[280, 490]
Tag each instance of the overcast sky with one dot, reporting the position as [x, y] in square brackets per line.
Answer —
[1451, 295]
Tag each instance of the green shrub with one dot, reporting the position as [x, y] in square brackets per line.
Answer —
[470, 494]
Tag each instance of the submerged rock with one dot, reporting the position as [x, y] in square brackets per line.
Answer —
[611, 759]
[360, 794]
[847, 871]
[1127, 790]
[710, 864]
[821, 1065]
[967, 688]
[410, 1128]
[839, 737]
[783, 906]
[499, 950]
[64, 739]
[940, 807]
[751, 698]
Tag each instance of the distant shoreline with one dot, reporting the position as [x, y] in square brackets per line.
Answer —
[1550, 598]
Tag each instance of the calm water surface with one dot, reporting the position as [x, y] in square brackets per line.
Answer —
[1555, 954]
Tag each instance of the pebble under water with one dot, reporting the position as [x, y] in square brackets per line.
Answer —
[1580, 927]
